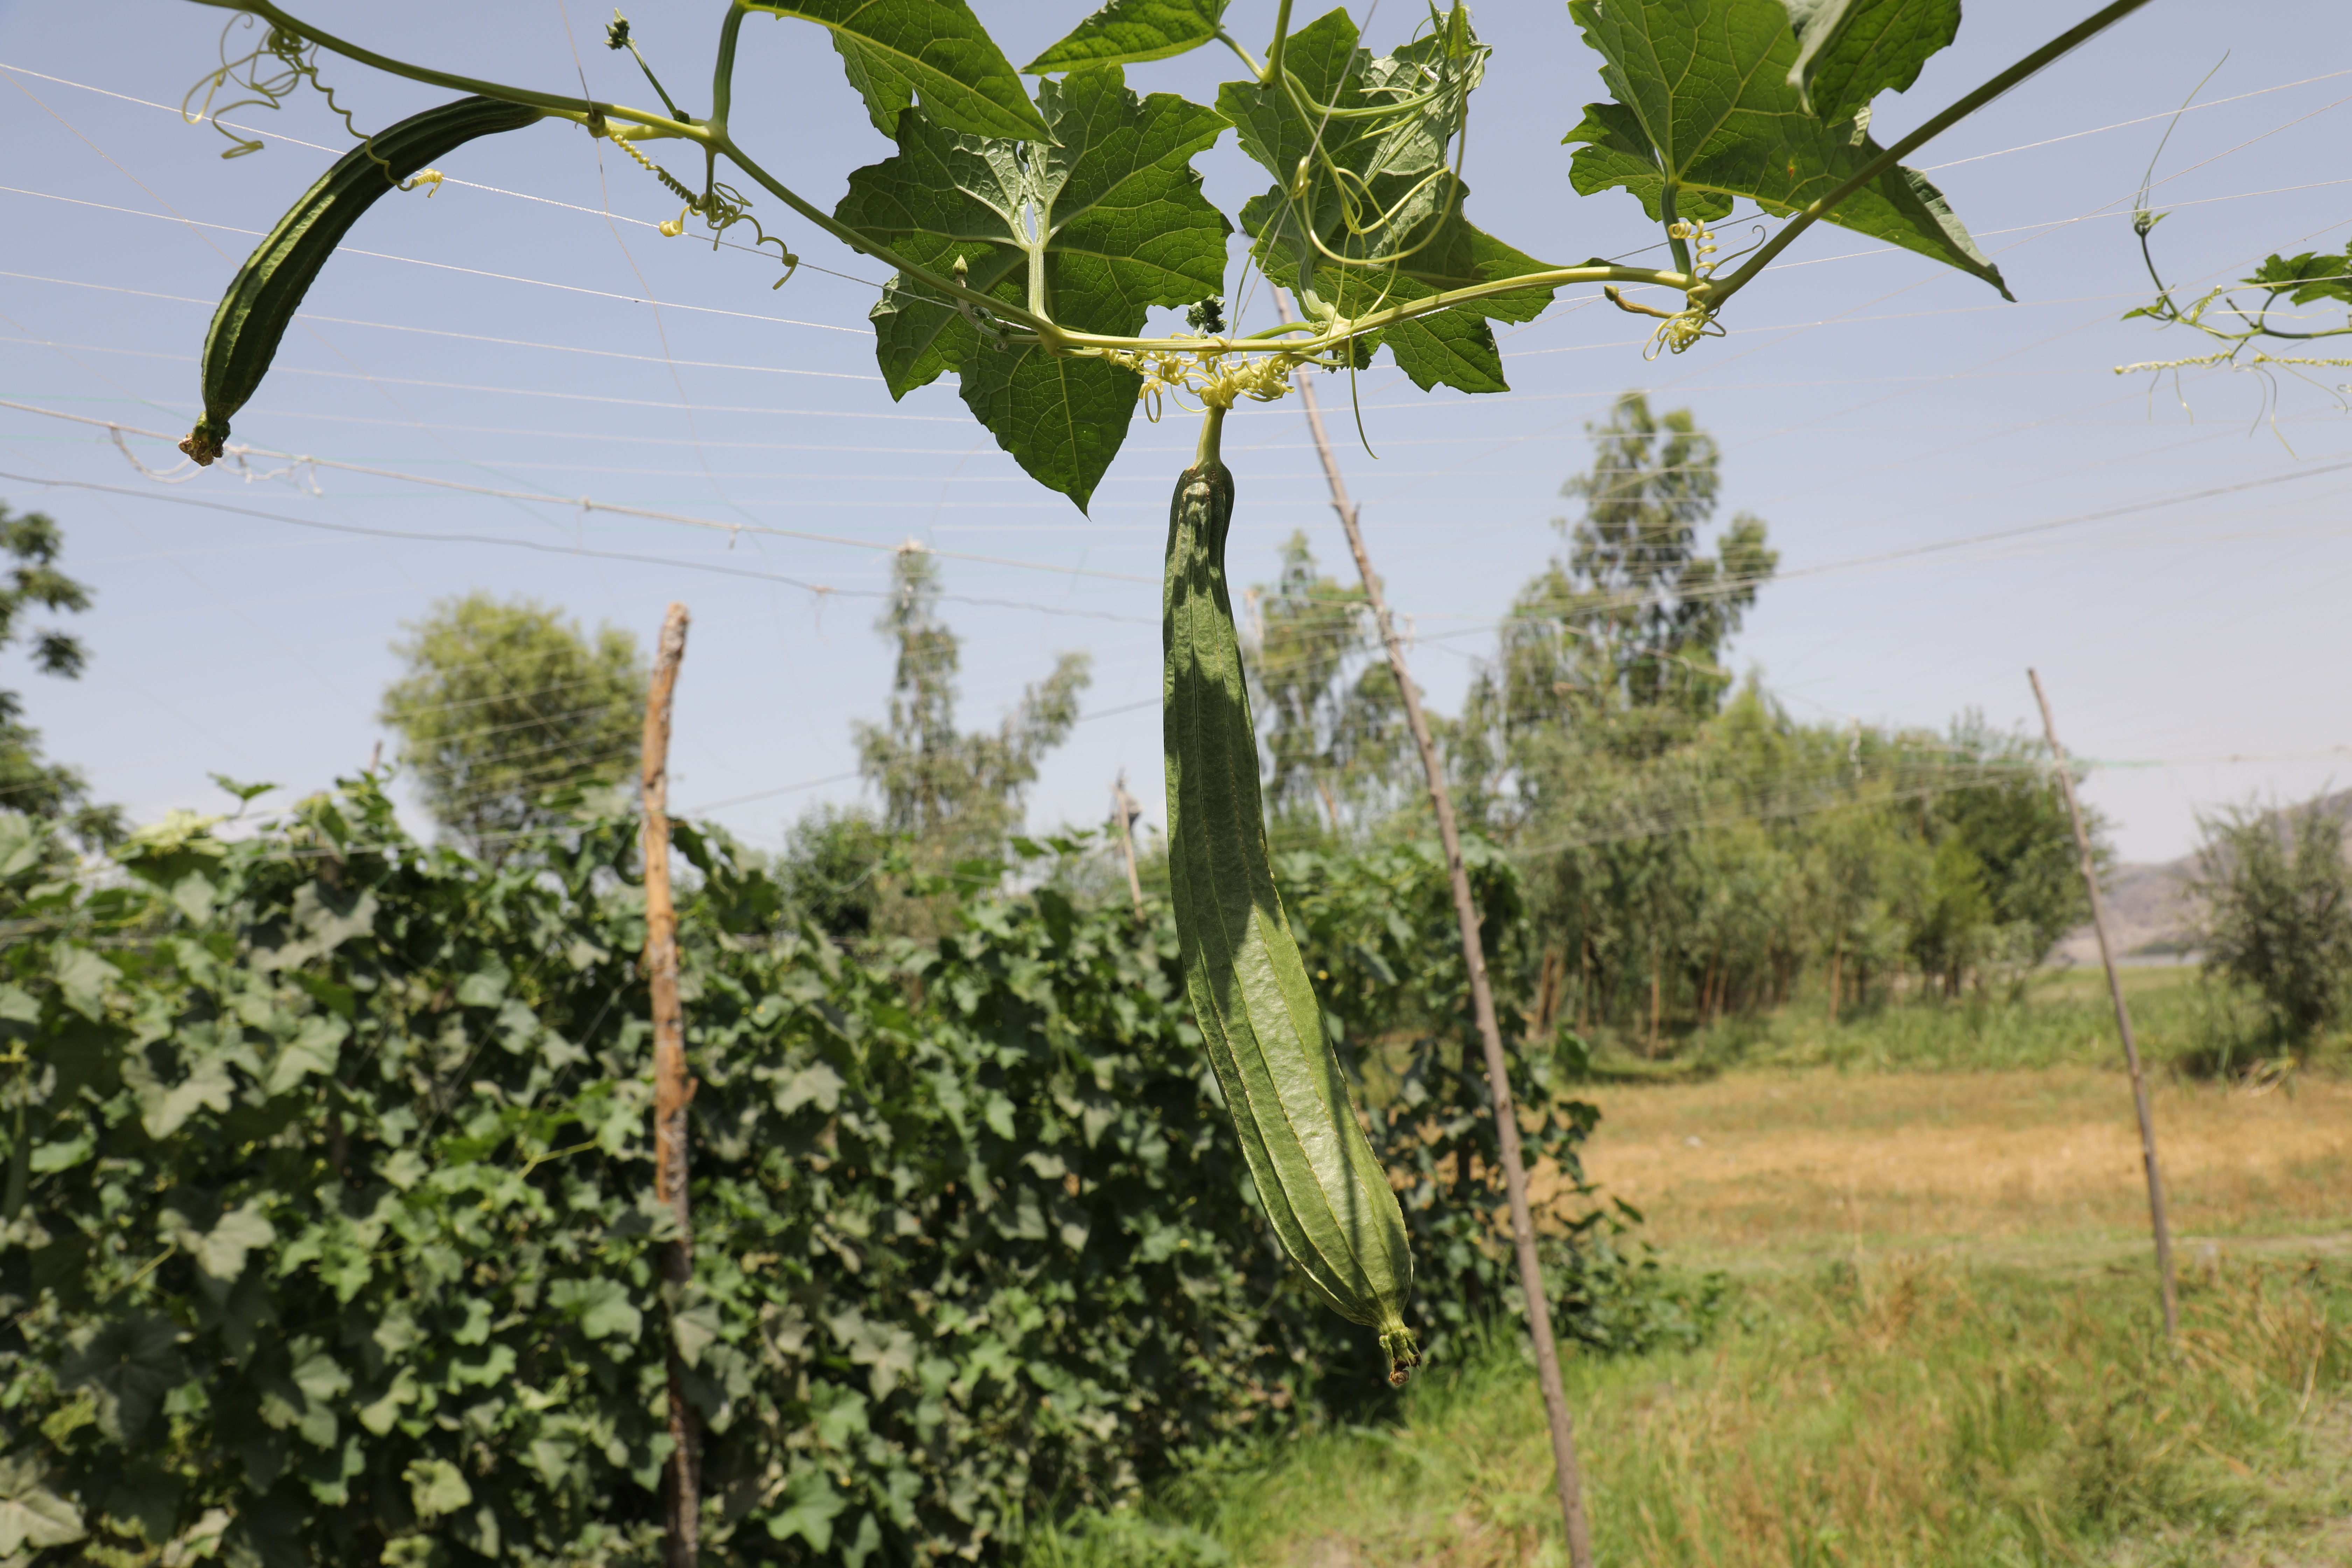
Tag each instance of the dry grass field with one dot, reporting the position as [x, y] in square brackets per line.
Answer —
[1780, 1168]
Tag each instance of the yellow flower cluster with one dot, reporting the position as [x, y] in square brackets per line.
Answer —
[1204, 375]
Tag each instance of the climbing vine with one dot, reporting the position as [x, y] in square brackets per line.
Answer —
[1030, 233]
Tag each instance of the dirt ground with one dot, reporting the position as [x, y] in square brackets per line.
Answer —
[1758, 1168]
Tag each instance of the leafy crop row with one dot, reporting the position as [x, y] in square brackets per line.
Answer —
[328, 1233]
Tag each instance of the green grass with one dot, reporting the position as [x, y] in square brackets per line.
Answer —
[1904, 1414]
[2182, 1023]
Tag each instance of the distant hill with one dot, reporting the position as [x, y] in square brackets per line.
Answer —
[2150, 909]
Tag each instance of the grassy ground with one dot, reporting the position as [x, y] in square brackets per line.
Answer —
[2055, 1017]
[1946, 1349]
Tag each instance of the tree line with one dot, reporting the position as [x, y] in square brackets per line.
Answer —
[1690, 849]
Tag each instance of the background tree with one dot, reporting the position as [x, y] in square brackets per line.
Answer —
[2004, 880]
[1688, 856]
[31, 543]
[504, 704]
[1626, 631]
[2278, 919]
[954, 795]
[1334, 724]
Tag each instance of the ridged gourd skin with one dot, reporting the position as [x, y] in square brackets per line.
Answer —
[1323, 1188]
[269, 288]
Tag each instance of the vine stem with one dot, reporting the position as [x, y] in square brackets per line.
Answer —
[1568, 1469]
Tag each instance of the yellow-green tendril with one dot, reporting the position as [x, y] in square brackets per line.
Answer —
[722, 206]
[298, 61]
[1684, 327]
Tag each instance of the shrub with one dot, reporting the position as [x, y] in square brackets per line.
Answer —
[2278, 916]
[329, 1234]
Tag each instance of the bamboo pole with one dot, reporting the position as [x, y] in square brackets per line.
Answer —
[1124, 811]
[673, 1091]
[2157, 1221]
[1568, 1470]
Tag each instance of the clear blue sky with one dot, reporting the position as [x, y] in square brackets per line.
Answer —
[1869, 405]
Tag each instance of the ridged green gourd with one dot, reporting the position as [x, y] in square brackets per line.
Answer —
[1324, 1189]
[269, 288]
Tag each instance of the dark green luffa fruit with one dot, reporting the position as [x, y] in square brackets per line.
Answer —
[1323, 1188]
[269, 288]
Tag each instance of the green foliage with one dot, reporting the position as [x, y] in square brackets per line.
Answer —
[1131, 32]
[1100, 226]
[1366, 209]
[1718, 874]
[953, 795]
[1711, 111]
[836, 870]
[1850, 51]
[1627, 629]
[1335, 731]
[503, 704]
[2313, 275]
[1029, 239]
[328, 1233]
[2012, 822]
[1689, 859]
[2278, 913]
[894, 49]
[32, 542]
[2054, 1017]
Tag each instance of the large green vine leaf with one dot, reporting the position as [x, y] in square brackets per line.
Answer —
[1092, 231]
[1711, 111]
[892, 49]
[1129, 32]
[1397, 165]
[1850, 51]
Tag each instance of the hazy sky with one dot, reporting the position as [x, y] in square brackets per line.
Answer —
[1959, 486]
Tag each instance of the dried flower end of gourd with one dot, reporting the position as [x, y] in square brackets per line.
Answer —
[204, 442]
[1403, 1353]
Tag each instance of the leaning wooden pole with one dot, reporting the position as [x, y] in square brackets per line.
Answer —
[1570, 1472]
[2156, 1220]
[673, 1091]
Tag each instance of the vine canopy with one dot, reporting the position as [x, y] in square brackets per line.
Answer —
[1031, 233]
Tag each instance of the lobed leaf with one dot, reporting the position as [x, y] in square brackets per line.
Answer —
[1401, 162]
[895, 50]
[1130, 32]
[1092, 231]
[2313, 275]
[1709, 112]
[1850, 51]
[129, 1364]
[30, 1514]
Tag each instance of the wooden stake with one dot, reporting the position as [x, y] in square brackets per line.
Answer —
[673, 1091]
[1124, 811]
[1570, 1473]
[2156, 1220]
